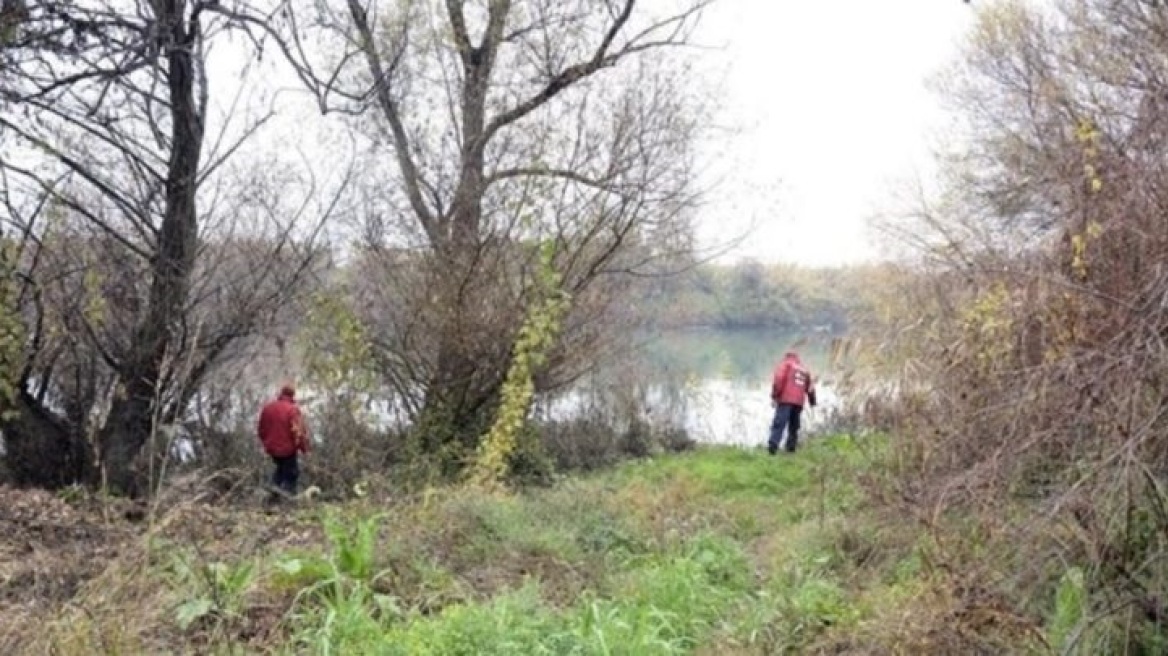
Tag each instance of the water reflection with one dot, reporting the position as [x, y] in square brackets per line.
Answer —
[715, 383]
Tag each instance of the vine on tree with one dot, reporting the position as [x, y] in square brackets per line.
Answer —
[12, 333]
[541, 327]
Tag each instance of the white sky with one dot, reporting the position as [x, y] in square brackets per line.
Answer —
[830, 98]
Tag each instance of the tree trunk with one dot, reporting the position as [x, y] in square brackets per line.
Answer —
[128, 428]
[458, 405]
[461, 399]
[40, 449]
[132, 414]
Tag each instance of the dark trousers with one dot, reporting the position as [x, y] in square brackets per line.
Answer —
[786, 418]
[286, 474]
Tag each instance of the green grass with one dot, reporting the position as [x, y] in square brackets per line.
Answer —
[717, 548]
[720, 550]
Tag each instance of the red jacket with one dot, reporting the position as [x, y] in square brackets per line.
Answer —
[792, 382]
[281, 428]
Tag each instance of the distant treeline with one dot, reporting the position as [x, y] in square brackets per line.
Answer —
[750, 294]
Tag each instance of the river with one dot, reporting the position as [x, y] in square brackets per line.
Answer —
[714, 382]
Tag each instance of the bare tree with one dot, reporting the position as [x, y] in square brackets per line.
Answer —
[108, 138]
[497, 126]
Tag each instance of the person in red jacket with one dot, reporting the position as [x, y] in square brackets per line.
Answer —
[284, 435]
[792, 383]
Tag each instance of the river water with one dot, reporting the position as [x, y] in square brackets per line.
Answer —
[716, 383]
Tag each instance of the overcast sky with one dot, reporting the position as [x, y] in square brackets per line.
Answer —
[824, 107]
[830, 97]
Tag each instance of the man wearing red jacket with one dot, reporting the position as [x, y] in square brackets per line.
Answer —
[283, 433]
[792, 382]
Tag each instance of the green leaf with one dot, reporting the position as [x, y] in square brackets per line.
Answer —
[1070, 607]
[190, 612]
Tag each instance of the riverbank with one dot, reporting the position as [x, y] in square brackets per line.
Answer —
[718, 551]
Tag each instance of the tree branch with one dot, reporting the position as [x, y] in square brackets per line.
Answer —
[601, 58]
[77, 167]
[79, 208]
[566, 77]
[392, 115]
[458, 27]
[602, 184]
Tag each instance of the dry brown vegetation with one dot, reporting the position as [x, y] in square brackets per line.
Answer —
[76, 562]
[1031, 339]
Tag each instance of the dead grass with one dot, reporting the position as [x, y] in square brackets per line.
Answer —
[90, 568]
[49, 550]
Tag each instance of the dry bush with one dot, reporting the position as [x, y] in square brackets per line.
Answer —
[351, 451]
[1032, 340]
[612, 415]
[587, 443]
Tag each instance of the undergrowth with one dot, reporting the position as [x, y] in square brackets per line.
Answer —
[720, 550]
